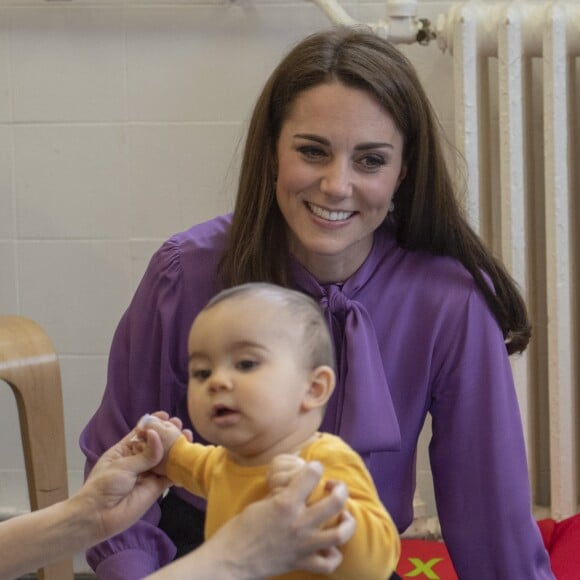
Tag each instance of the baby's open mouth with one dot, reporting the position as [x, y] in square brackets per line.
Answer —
[222, 411]
[224, 416]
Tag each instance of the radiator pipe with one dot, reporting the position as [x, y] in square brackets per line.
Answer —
[400, 25]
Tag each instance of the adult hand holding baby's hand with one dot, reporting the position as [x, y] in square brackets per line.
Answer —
[162, 422]
[282, 470]
[167, 428]
[283, 532]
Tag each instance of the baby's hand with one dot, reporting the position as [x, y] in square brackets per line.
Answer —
[167, 429]
[282, 469]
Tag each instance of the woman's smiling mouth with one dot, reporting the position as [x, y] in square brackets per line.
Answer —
[332, 216]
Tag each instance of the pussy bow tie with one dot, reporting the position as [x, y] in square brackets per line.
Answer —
[365, 416]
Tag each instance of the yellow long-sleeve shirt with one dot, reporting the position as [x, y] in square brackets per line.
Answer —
[206, 470]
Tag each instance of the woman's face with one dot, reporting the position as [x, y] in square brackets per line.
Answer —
[340, 159]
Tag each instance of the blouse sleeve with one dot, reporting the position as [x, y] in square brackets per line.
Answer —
[143, 375]
[478, 457]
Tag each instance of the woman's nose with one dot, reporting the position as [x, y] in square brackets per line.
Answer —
[337, 179]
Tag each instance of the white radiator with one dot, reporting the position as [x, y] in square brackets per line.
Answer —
[517, 124]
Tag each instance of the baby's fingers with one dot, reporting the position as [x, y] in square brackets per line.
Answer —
[279, 479]
[175, 421]
[163, 415]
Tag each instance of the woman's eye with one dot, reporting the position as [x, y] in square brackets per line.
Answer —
[311, 152]
[372, 161]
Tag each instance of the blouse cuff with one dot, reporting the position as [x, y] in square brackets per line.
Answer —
[127, 565]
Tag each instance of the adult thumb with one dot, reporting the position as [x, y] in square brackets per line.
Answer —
[149, 457]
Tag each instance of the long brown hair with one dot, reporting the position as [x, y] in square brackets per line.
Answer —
[427, 214]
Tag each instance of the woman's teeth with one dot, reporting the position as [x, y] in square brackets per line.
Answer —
[333, 216]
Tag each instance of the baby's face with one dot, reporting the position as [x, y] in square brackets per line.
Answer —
[247, 375]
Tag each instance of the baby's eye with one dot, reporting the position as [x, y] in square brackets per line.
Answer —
[371, 162]
[199, 374]
[246, 364]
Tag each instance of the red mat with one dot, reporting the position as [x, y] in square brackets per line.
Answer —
[562, 540]
[424, 559]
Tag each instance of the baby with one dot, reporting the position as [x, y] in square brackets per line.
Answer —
[260, 375]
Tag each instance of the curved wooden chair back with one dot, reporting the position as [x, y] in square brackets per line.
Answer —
[28, 363]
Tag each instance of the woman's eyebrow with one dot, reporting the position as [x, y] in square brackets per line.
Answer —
[359, 147]
[373, 145]
[312, 137]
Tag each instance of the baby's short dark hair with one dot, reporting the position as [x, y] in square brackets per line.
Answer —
[317, 344]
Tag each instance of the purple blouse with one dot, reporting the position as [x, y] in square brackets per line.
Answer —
[413, 335]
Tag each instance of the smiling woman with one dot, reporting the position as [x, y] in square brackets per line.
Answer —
[340, 160]
[422, 315]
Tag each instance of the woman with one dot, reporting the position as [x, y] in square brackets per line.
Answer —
[344, 195]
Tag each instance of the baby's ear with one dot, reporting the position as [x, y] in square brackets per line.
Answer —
[322, 381]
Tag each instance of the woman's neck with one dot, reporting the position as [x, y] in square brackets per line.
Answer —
[333, 268]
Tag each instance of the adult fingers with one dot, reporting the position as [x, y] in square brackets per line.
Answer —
[304, 482]
[328, 507]
[151, 455]
[322, 562]
[337, 535]
[345, 528]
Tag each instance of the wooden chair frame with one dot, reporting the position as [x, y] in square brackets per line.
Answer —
[28, 363]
